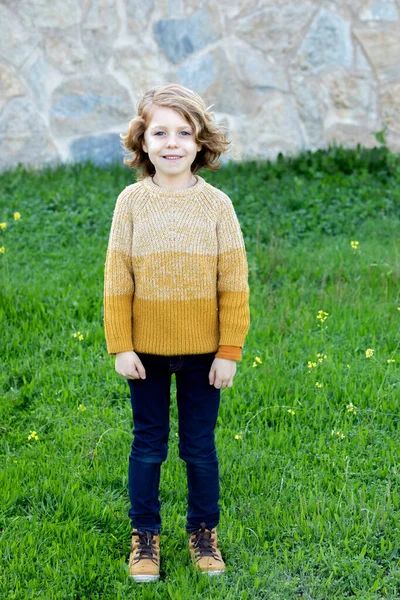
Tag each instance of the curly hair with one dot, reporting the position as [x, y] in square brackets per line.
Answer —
[192, 108]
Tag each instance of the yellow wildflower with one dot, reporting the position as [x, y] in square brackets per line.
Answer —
[2, 249]
[17, 216]
[319, 385]
[291, 412]
[391, 360]
[238, 436]
[82, 407]
[258, 359]
[322, 315]
[311, 364]
[3, 225]
[351, 408]
[369, 352]
[78, 335]
[354, 245]
[338, 433]
[33, 436]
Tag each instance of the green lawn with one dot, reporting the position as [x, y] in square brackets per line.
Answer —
[308, 436]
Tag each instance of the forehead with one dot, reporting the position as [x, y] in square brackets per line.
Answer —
[163, 116]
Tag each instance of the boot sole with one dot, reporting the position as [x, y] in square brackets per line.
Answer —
[144, 578]
[212, 573]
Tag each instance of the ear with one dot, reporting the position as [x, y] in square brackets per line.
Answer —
[144, 146]
[199, 147]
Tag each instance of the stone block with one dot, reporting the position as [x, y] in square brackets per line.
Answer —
[101, 149]
[84, 105]
[274, 128]
[381, 42]
[66, 52]
[390, 105]
[10, 85]
[100, 28]
[276, 27]
[199, 73]
[327, 44]
[24, 135]
[256, 69]
[380, 10]
[224, 90]
[57, 13]
[179, 38]
[17, 40]
[143, 66]
[139, 16]
[349, 98]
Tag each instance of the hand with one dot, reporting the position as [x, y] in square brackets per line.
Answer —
[129, 365]
[222, 372]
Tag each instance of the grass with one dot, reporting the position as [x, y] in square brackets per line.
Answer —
[310, 501]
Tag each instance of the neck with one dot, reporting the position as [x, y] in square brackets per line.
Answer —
[177, 184]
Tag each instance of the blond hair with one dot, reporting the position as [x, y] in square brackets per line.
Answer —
[192, 108]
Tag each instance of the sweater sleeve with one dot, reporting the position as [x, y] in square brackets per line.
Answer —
[229, 352]
[119, 285]
[232, 279]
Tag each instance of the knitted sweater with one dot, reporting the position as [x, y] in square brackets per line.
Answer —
[176, 273]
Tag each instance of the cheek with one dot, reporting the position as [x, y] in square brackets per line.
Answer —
[152, 144]
[192, 145]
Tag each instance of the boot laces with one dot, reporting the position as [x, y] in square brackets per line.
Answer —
[146, 546]
[202, 541]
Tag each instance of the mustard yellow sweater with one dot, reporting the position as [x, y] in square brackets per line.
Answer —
[176, 273]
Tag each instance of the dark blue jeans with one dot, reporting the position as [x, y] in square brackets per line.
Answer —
[198, 404]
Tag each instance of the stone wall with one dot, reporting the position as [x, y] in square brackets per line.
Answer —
[282, 75]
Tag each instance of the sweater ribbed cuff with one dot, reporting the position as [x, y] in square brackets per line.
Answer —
[229, 352]
[121, 349]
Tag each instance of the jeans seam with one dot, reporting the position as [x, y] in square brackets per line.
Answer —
[178, 367]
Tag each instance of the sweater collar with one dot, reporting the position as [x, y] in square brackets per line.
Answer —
[184, 192]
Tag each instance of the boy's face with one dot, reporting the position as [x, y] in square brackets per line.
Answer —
[169, 134]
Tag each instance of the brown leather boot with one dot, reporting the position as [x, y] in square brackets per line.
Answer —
[204, 551]
[144, 559]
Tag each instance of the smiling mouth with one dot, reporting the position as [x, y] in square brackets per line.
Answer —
[172, 157]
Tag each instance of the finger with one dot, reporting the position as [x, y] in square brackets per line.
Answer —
[128, 376]
[133, 374]
[141, 371]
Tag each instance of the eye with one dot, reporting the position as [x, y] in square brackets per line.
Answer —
[184, 132]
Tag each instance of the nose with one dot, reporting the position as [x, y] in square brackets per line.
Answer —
[172, 142]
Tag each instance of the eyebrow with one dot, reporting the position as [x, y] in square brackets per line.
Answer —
[165, 127]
